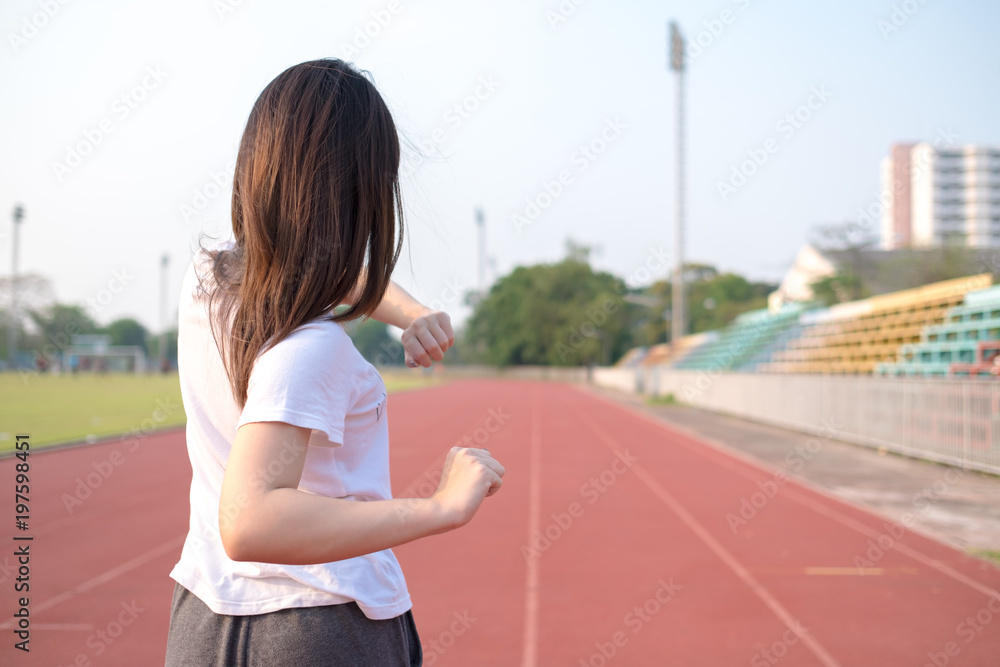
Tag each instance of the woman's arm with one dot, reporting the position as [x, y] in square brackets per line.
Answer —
[427, 334]
[263, 517]
[398, 308]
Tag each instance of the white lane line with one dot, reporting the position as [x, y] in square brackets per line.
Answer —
[731, 456]
[901, 548]
[97, 512]
[529, 657]
[113, 573]
[698, 529]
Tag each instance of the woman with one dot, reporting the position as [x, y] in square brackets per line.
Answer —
[287, 559]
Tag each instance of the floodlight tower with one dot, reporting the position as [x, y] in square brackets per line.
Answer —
[18, 216]
[162, 345]
[679, 317]
[481, 224]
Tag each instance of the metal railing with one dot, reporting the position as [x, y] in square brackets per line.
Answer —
[950, 421]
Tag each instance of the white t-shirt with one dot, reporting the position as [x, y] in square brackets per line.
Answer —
[316, 379]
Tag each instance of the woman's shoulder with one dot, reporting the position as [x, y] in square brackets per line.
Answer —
[320, 353]
[321, 337]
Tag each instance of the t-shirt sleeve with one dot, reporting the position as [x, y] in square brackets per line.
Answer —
[298, 382]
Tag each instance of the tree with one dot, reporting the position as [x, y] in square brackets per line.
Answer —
[863, 270]
[838, 288]
[127, 331]
[563, 314]
[373, 341]
[4, 325]
[56, 325]
[913, 268]
[153, 346]
[34, 292]
[714, 300]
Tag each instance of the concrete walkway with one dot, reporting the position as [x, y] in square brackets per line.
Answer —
[960, 508]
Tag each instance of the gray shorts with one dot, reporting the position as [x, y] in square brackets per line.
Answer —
[338, 635]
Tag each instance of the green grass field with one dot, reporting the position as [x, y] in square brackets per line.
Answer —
[55, 409]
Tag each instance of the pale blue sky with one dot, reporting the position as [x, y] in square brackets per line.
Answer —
[555, 88]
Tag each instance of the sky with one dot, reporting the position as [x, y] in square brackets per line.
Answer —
[119, 124]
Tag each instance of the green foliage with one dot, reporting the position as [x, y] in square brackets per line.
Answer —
[987, 554]
[563, 314]
[373, 341]
[839, 288]
[70, 408]
[666, 399]
[922, 267]
[57, 324]
[4, 326]
[153, 345]
[567, 314]
[713, 301]
[127, 331]
[864, 271]
[716, 300]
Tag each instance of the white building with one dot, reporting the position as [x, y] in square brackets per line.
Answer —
[932, 195]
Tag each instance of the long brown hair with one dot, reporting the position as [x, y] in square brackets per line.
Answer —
[316, 203]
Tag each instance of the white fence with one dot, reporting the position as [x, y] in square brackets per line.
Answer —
[951, 421]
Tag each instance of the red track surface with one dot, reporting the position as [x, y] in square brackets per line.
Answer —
[639, 554]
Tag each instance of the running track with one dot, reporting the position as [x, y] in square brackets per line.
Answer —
[639, 560]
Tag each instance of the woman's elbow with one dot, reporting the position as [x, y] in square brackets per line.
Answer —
[236, 549]
[236, 539]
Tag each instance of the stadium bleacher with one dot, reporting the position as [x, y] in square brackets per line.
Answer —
[855, 337]
[948, 328]
[965, 344]
[746, 343]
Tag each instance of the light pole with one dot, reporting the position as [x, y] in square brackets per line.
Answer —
[164, 262]
[678, 321]
[12, 325]
[481, 225]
